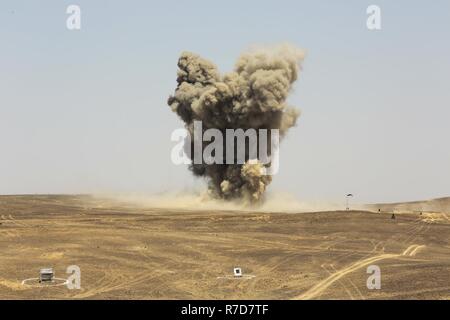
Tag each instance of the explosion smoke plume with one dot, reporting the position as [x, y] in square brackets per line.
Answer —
[252, 96]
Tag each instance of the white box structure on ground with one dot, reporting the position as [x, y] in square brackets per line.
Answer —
[46, 275]
[237, 272]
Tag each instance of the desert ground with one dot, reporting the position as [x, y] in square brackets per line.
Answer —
[134, 252]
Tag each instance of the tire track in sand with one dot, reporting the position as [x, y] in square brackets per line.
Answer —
[324, 284]
[319, 288]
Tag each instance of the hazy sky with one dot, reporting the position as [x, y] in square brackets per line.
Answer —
[85, 111]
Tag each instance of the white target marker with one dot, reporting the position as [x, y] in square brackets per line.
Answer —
[237, 274]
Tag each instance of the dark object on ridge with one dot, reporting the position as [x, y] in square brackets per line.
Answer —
[393, 216]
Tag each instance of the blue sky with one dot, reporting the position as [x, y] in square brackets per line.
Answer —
[85, 111]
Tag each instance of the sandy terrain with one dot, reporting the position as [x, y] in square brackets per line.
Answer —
[127, 252]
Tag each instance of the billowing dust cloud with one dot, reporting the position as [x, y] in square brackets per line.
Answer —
[252, 96]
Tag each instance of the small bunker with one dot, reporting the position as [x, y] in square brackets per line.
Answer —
[237, 272]
[46, 275]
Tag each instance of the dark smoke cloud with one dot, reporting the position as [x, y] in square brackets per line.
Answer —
[252, 96]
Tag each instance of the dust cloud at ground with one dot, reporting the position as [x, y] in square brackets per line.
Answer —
[272, 202]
